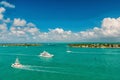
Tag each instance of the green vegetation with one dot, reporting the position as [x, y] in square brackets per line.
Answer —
[96, 45]
[20, 44]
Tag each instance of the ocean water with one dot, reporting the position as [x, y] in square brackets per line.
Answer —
[80, 64]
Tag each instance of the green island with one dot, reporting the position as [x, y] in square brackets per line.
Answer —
[95, 45]
[19, 44]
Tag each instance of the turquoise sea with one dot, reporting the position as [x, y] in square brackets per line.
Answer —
[80, 64]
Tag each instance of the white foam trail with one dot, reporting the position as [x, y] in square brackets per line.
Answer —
[49, 71]
[32, 68]
[83, 52]
[40, 70]
[89, 52]
[98, 53]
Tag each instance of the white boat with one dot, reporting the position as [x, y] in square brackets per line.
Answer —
[68, 51]
[17, 64]
[46, 54]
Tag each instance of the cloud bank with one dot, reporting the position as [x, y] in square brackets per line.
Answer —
[22, 31]
[6, 4]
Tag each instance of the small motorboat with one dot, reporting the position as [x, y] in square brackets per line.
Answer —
[17, 64]
[46, 54]
[68, 51]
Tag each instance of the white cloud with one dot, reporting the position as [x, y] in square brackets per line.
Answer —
[19, 30]
[31, 25]
[6, 4]
[57, 34]
[3, 27]
[19, 22]
[1, 16]
[2, 10]
[7, 20]
[33, 30]
[57, 30]
[109, 31]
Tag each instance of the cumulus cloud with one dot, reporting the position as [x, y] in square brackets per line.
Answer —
[57, 30]
[1, 16]
[58, 34]
[3, 27]
[19, 22]
[31, 25]
[109, 31]
[2, 10]
[6, 4]
[7, 20]
[19, 30]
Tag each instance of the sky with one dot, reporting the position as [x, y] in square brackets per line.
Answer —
[59, 21]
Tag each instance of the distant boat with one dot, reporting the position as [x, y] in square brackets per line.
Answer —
[17, 64]
[68, 51]
[50, 44]
[4, 46]
[46, 54]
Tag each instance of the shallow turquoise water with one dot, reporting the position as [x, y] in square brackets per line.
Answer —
[80, 64]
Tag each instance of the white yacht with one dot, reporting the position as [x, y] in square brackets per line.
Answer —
[46, 54]
[17, 64]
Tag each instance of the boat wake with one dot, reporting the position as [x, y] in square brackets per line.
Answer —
[40, 70]
[85, 52]
[29, 66]
[88, 52]
[44, 69]
[98, 53]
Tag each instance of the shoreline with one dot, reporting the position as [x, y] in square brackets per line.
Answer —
[95, 45]
[20, 44]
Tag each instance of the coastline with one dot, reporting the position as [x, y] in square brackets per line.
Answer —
[20, 44]
[95, 45]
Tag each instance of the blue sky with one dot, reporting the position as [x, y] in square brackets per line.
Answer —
[59, 21]
[68, 14]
